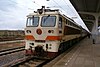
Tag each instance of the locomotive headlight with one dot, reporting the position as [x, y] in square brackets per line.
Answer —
[32, 44]
[28, 31]
[50, 31]
[50, 44]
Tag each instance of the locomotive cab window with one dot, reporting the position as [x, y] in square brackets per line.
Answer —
[60, 22]
[48, 21]
[32, 21]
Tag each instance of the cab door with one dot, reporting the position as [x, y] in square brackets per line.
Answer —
[60, 25]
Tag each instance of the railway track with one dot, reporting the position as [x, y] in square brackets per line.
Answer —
[19, 60]
[30, 61]
[14, 41]
[27, 61]
[11, 50]
[10, 58]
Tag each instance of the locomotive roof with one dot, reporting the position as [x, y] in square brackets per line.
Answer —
[51, 12]
[45, 12]
[71, 20]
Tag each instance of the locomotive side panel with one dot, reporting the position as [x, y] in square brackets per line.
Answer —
[71, 33]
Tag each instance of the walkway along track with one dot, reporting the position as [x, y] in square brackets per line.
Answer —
[11, 50]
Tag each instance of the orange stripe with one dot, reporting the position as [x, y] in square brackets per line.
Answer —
[53, 38]
[29, 37]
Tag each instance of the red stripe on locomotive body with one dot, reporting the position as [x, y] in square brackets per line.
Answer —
[53, 38]
[29, 37]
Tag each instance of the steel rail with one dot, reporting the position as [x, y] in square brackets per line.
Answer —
[11, 50]
[22, 61]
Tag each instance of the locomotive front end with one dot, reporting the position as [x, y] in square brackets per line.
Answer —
[42, 34]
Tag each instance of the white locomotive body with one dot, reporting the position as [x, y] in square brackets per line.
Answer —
[47, 31]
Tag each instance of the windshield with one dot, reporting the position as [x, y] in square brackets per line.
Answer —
[48, 21]
[32, 21]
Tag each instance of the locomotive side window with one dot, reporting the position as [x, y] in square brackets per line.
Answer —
[48, 21]
[66, 21]
[32, 21]
[60, 22]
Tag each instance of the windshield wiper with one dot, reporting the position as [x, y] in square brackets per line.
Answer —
[46, 18]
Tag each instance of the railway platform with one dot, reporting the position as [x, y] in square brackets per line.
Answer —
[84, 54]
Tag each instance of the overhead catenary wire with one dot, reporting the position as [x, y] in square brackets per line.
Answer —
[36, 3]
[61, 7]
[58, 5]
[68, 6]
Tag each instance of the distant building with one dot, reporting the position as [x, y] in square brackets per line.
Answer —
[11, 34]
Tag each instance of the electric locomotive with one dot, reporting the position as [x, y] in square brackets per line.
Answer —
[49, 32]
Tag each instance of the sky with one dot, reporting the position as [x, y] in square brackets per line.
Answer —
[13, 12]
